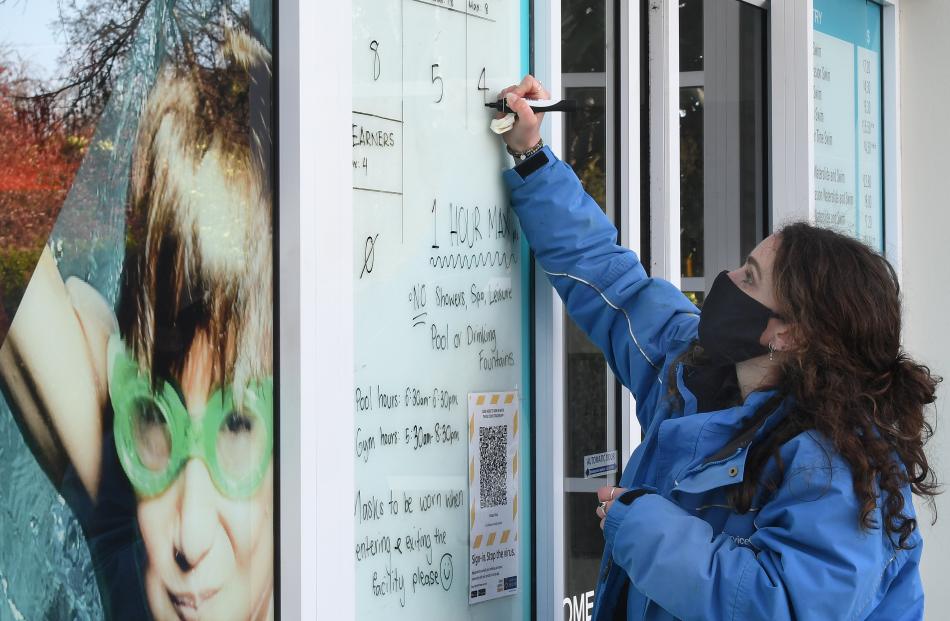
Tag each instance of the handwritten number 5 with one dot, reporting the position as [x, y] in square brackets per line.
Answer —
[441, 83]
[374, 46]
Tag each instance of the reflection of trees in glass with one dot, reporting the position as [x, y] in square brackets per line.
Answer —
[583, 36]
[696, 297]
[691, 35]
[587, 142]
[99, 35]
[691, 182]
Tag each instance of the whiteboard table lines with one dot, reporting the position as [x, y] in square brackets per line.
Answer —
[378, 165]
[376, 190]
[477, 9]
[377, 116]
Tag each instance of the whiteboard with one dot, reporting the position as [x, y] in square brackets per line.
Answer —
[438, 293]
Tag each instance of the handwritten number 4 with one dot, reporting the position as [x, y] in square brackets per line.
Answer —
[482, 87]
[441, 83]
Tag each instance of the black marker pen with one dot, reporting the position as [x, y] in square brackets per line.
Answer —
[538, 105]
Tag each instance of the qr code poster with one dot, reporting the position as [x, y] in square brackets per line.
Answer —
[493, 439]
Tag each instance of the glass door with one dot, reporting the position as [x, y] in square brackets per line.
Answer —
[723, 139]
[590, 389]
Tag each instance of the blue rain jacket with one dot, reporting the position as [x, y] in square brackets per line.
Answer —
[681, 552]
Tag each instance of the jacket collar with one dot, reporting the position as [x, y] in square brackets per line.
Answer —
[740, 426]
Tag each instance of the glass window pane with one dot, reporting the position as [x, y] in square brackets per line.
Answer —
[586, 406]
[583, 546]
[585, 135]
[691, 181]
[583, 36]
[587, 378]
[723, 143]
[753, 154]
[691, 35]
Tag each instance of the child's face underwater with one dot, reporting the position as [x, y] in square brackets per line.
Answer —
[209, 556]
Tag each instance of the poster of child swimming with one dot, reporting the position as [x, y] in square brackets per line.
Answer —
[137, 412]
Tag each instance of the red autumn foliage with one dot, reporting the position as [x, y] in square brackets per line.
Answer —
[38, 161]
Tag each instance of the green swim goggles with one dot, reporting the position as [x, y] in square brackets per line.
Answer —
[155, 436]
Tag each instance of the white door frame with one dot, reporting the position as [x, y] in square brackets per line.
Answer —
[549, 357]
[316, 312]
[628, 201]
[664, 140]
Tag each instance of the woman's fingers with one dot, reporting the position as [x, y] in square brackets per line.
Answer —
[609, 492]
[504, 92]
[524, 88]
[606, 496]
[531, 88]
[601, 512]
[522, 108]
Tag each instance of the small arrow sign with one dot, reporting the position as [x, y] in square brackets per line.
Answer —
[600, 464]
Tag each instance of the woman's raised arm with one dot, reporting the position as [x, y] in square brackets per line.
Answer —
[53, 366]
[635, 320]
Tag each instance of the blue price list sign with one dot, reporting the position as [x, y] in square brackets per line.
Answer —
[848, 134]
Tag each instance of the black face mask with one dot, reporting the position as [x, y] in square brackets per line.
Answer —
[731, 323]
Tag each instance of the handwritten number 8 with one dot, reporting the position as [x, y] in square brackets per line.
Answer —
[374, 46]
[441, 83]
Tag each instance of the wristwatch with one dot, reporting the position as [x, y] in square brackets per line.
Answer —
[523, 155]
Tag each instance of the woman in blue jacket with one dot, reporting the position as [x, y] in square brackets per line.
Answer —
[783, 427]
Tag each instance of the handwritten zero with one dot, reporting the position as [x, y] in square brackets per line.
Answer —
[369, 255]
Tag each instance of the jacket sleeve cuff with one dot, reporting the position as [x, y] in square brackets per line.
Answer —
[619, 511]
[531, 167]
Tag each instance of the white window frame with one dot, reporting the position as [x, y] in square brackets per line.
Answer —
[628, 202]
[316, 312]
[792, 186]
[549, 363]
[890, 78]
[664, 130]
[791, 39]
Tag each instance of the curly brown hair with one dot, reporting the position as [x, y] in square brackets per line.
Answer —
[847, 375]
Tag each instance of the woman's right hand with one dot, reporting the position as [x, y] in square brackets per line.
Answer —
[527, 129]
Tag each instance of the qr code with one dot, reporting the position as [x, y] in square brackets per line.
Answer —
[493, 465]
